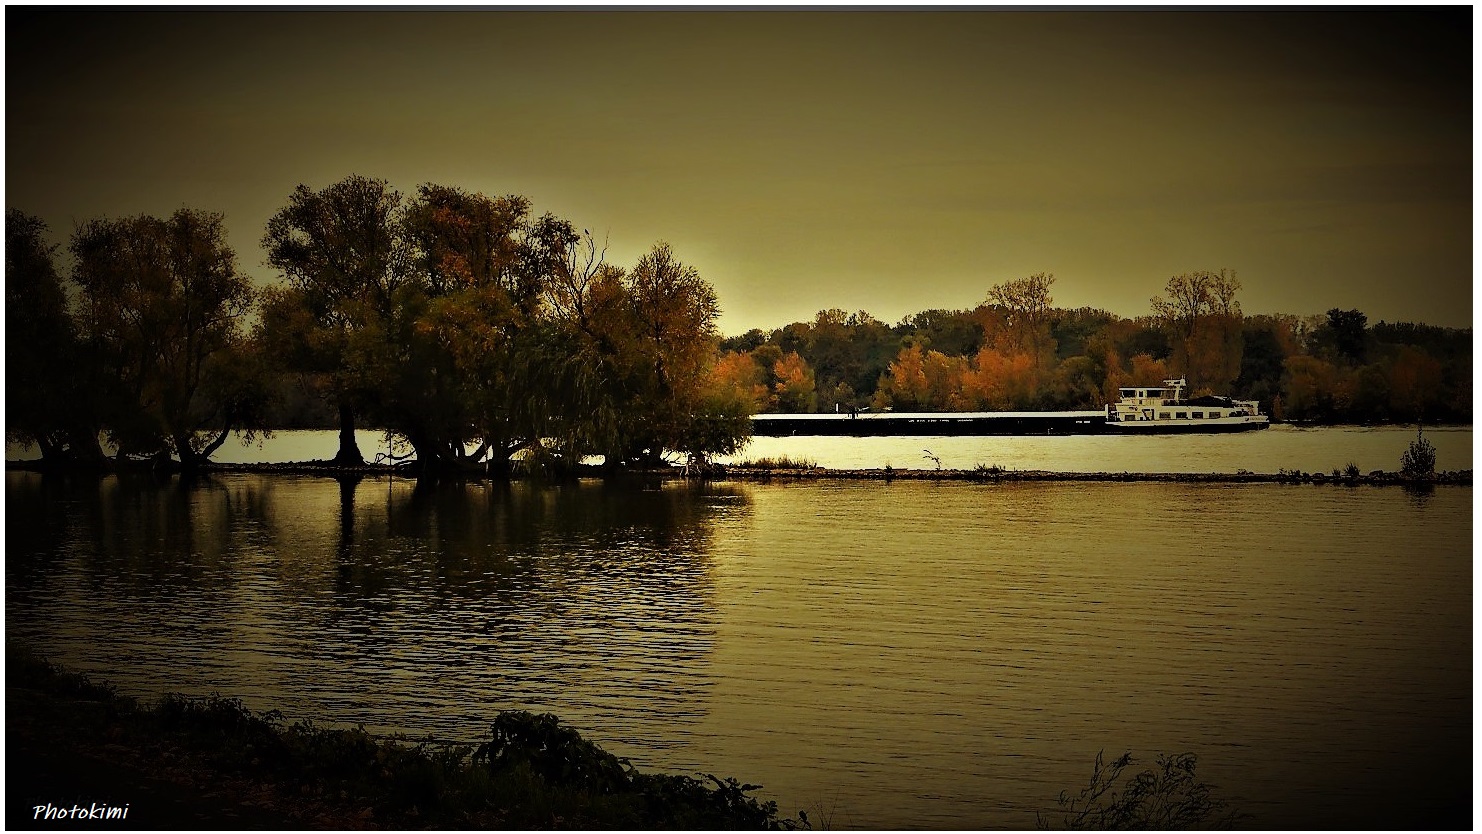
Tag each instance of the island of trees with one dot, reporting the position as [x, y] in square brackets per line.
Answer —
[478, 333]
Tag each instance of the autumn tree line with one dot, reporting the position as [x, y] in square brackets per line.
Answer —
[477, 333]
[1018, 352]
[472, 330]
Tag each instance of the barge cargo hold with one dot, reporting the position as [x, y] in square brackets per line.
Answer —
[942, 424]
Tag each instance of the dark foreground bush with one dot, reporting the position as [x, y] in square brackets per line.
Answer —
[1167, 797]
[554, 770]
[531, 773]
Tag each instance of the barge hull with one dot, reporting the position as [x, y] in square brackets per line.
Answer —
[1192, 428]
[982, 424]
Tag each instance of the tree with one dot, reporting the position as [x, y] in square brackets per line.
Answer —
[739, 374]
[1027, 304]
[1072, 330]
[671, 313]
[637, 355]
[721, 425]
[1344, 336]
[164, 302]
[794, 392]
[294, 348]
[1147, 371]
[51, 383]
[1001, 381]
[917, 380]
[1415, 384]
[1147, 338]
[1310, 388]
[829, 351]
[1077, 383]
[748, 341]
[1262, 362]
[483, 362]
[951, 332]
[340, 249]
[944, 375]
[1205, 320]
[906, 383]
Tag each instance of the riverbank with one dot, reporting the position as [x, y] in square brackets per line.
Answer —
[77, 746]
[980, 474]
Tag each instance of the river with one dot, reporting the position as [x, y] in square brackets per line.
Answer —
[904, 655]
[1282, 446]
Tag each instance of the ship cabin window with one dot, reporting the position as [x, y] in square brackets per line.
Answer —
[1181, 415]
[1198, 415]
[1214, 414]
[1162, 415]
[1128, 392]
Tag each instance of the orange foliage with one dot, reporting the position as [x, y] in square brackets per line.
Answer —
[738, 374]
[1000, 381]
[794, 389]
[1147, 371]
[906, 380]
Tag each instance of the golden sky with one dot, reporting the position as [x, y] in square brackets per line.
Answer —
[890, 161]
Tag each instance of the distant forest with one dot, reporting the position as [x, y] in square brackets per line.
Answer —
[1018, 352]
[478, 333]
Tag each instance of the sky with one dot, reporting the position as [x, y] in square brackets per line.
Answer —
[889, 161]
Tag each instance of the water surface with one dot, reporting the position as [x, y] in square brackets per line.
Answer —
[889, 655]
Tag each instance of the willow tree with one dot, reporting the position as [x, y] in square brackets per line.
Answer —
[589, 307]
[163, 303]
[670, 340]
[484, 353]
[642, 349]
[52, 388]
[341, 250]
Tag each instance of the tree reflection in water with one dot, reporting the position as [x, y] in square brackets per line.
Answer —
[415, 607]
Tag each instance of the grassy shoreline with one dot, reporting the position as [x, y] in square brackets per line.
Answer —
[211, 762]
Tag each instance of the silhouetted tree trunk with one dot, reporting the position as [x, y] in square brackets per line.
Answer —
[349, 453]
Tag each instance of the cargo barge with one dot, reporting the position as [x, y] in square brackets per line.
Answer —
[1141, 410]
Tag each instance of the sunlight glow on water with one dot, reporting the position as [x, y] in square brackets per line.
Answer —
[1265, 451]
[903, 655]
